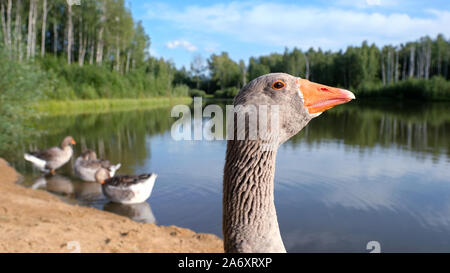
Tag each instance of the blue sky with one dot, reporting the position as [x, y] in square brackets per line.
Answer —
[179, 30]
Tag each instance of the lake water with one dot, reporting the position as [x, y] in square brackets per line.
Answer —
[360, 172]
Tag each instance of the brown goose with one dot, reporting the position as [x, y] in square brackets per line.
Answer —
[51, 159]
[249, 217]
[87, 165]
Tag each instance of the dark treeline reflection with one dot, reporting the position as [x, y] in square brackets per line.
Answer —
[411, 126]
[414, 126]
[121, 136]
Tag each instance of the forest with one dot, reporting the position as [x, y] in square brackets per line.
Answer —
[91, 49]
[416, 70]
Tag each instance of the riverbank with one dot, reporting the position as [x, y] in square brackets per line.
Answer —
[73, 107]
[37, 221]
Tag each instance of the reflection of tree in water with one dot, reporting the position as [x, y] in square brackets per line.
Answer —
[120, 136]
[116, 136]
[420, 128]
[417, 127]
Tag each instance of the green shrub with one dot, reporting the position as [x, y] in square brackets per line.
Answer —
[148, 81]
[436, 88]
[20, 84]
[88, 92]
[197, 93]
[229, 92]
[180, 90]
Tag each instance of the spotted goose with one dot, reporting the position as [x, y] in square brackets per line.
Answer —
[126, 189]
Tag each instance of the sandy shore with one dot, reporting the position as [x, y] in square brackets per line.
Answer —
[36, 221]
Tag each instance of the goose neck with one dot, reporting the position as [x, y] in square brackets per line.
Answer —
[249, 217]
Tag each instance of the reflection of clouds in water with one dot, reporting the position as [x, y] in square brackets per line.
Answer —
[379, 180]
[322, 240]
[436, 218]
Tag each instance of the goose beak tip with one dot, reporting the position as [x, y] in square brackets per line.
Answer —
[349, 94]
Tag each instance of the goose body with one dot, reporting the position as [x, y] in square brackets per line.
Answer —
[250, 221]
[53, 158]
[126, 189]
[87, 165]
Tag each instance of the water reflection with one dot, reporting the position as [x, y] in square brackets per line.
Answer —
[138, 212]
[54, 183]
[360, 172]
[421, 128]
[88, 192]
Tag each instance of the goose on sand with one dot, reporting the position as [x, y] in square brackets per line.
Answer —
[126, 189]
[53, 158]
[87, 164]
[249, 217]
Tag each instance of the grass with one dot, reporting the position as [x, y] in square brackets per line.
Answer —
[72, 107]
[434, 89]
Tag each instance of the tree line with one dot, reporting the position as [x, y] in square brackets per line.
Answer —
[90, 48]
[96, 49]
[84, 31]
[361, 68]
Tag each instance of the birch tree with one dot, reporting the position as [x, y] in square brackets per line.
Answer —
[69, 32]
[2, 15]
[18, 31]
[30, 35]
[44, 26]
[100, 38]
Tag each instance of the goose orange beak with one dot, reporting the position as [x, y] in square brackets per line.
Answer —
[73, 142]
[318, 97]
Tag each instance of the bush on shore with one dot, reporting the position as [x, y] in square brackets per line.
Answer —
[436, 88]
[20, 84]
[228, 93]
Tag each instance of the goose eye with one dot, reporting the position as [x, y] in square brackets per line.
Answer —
[278, 85]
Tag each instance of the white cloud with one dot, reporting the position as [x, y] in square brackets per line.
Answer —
[181, 43]
[360, 4]
[302, 26]
[153, 52]
[373, 2]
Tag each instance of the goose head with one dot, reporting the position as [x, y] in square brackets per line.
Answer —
[92, 155]
[101, 175]
[85, 154]
[250, 221]
[298, 100]
[67, 141]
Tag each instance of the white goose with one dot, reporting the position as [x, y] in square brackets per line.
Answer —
[126, 189]
[87, 165]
